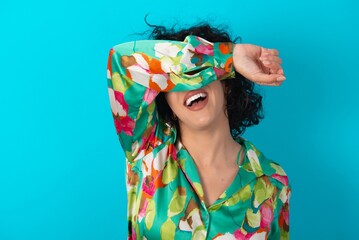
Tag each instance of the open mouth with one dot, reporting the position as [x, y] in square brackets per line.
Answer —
[195, 99]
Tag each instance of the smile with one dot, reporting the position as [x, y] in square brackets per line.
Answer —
[196, 100]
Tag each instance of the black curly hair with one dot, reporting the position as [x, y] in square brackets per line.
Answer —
[243, 105]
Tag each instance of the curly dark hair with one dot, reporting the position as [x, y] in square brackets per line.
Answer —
[244, 106]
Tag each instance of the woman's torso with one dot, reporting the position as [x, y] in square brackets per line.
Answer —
[166, 201]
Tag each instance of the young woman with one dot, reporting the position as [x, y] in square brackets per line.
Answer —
[180, 103]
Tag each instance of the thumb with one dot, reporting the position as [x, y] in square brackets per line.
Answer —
[265, 79]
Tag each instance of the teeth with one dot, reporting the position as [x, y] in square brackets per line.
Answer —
[195, 97]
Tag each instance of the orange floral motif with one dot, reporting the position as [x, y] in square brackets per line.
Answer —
[228, 65]
[225, 48]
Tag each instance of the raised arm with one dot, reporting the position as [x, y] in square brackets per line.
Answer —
[138, 71]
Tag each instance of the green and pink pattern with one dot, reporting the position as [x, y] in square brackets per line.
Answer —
[165, 195]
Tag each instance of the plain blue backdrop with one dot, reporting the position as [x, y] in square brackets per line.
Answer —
[61, 165]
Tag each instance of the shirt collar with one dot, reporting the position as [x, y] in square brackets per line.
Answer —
[254, 165]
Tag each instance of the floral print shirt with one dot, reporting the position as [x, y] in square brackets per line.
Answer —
[165, 195]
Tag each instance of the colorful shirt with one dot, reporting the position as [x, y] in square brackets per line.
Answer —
[165, 195]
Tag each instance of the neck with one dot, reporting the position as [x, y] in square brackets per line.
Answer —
[212, 146]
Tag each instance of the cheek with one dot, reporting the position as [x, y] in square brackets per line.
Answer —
[219, 91]
[172, 99]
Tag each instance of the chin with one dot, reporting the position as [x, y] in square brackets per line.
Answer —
[204, 120]
[204, 123]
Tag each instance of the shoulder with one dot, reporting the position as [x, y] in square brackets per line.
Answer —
[263, 166]
[271, 177]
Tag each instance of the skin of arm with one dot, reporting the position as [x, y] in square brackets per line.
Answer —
[258, 64]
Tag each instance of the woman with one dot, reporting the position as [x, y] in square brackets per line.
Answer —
[179, 104]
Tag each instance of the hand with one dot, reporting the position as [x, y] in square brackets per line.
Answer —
[260, 65]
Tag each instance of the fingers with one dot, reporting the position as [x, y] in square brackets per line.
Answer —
[276, 84]
[269, 79]
[272, 66]
[270, 58]
[272, 62]
[270, 51]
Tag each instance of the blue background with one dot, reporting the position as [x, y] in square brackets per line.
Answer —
[61, 165]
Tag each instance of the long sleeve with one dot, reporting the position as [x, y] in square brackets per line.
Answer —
[283, 219]
[138, 71]
[280, 224]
